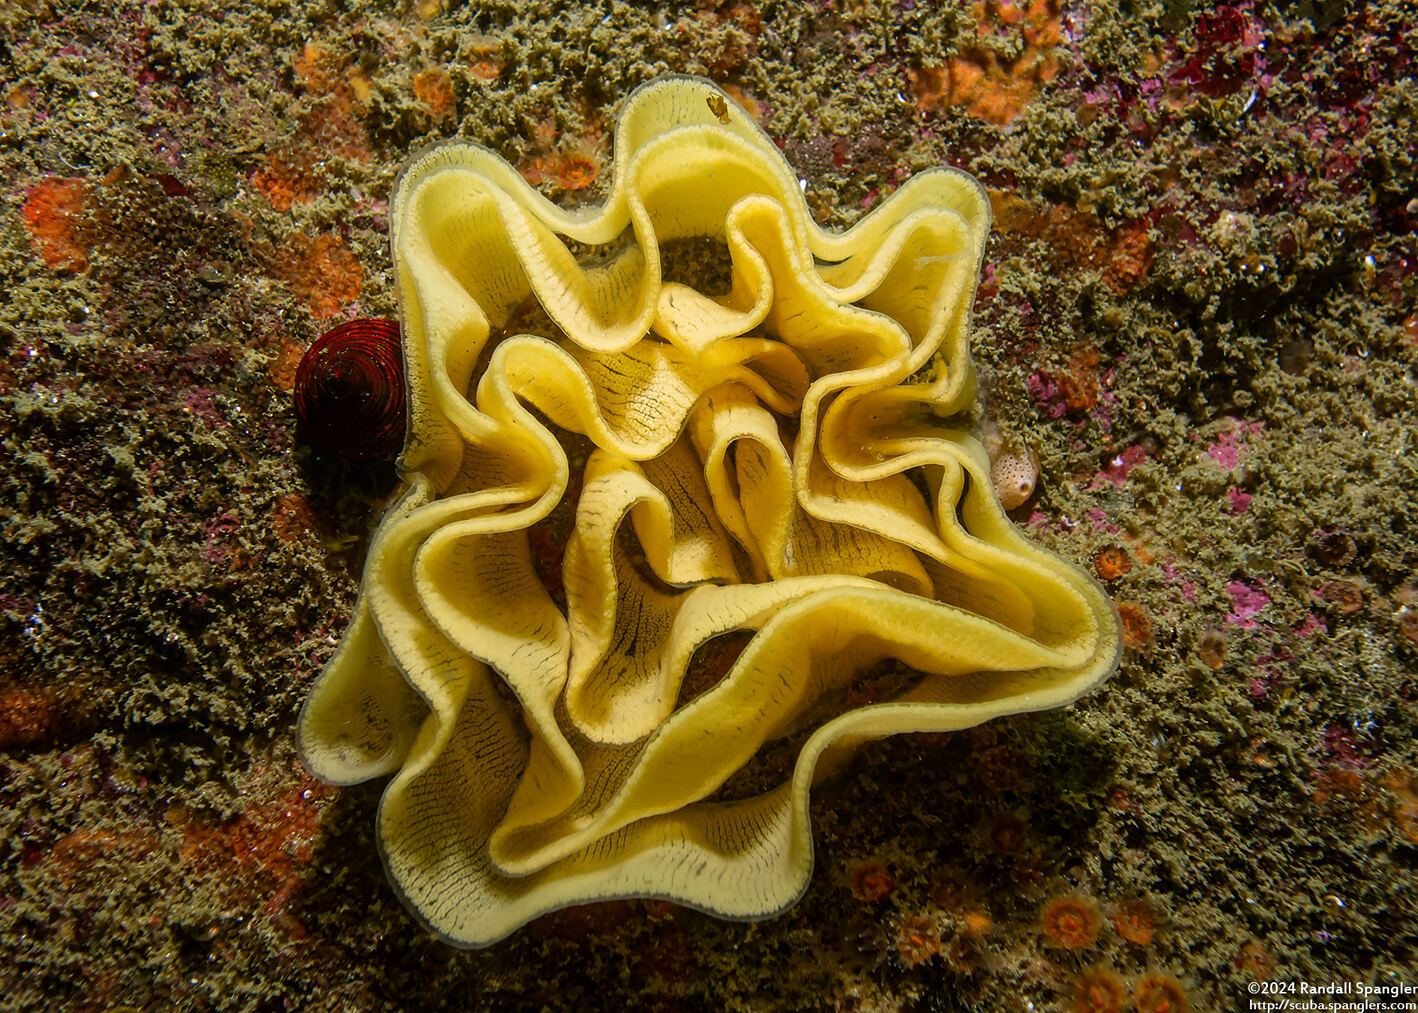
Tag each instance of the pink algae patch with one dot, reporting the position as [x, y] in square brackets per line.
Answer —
[1039, 519]
[1230, 446]
[1116, 472]
[1246, 603]
[1185, 588]
[1226, 451]
[1045, 392]
[1099, 519]
[199, 402]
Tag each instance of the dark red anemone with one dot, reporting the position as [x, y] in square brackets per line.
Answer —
[349, 391]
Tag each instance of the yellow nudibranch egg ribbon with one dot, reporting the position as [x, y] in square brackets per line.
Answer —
[773, 463]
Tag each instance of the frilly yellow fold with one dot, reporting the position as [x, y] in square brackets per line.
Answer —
[769, 460]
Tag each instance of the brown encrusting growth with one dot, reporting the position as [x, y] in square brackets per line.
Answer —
[1197, 309]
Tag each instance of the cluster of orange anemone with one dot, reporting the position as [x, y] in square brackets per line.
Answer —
[1099, 990]
[957, 925]
[1072, 921]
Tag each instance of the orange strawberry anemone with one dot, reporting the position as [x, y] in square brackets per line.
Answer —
[1071, 921]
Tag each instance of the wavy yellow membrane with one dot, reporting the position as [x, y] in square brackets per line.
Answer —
[768, 462]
